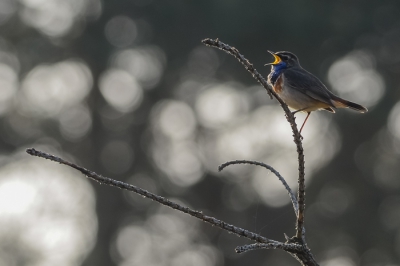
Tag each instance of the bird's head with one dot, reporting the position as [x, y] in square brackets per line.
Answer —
[284, 58]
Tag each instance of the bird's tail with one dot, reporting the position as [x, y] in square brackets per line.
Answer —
[342, 103]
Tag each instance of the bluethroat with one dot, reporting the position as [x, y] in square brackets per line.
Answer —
[301, 90]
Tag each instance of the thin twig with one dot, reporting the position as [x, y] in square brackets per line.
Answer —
[292, 248]
[289, 117]
[289, 190]
[108, 181]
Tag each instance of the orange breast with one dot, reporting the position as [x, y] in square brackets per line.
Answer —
[278, 87]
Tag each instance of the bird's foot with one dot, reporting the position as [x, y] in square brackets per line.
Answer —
[301, 136]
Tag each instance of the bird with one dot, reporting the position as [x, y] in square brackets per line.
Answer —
[301, 90]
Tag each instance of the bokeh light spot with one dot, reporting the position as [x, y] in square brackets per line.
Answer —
[121, 90]
[133, 250]
[47, 214]
[355, 78]
[174, 119]
[180, 162]
[15, 196]
[145, 64]
[49, 89]
[176, 238]
[8, 87]
[339, 261]
[220, 104]
[75, 122]
[192, 258]
[55, 18]
[121, 31]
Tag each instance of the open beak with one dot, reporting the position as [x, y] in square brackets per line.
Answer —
[277, 59]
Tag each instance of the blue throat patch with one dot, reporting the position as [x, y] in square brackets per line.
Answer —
[276, 71]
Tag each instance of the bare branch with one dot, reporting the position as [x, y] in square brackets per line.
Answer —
[296, 246]
[111, 182]
[289, 117]
[292, 248]
[289, 190]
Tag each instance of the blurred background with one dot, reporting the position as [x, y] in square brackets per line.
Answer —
[126, 89]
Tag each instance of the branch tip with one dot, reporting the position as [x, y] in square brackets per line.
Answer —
[209, 41]
[31, 151]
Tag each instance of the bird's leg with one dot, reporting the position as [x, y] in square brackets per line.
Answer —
[308, 114]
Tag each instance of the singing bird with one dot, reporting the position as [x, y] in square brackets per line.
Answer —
[301, 90]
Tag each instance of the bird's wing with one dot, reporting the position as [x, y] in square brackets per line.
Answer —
[308, 84]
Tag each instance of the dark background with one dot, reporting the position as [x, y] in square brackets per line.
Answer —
[125, 88]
